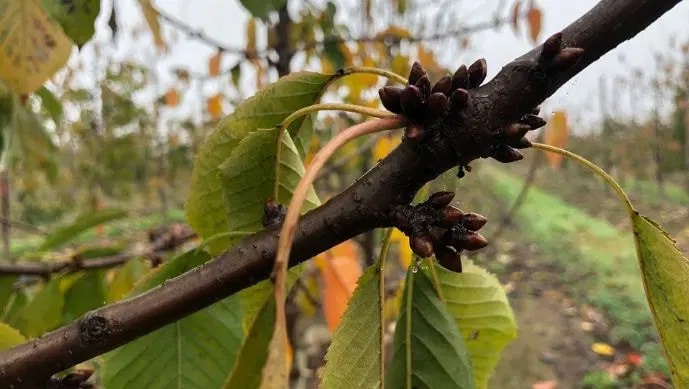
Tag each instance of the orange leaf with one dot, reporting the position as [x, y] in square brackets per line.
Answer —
[339, 271]
[515, 15]
[171, 98]
[214, 64]
[535, 19]
[556, 135]
[214, 106]
[635, 359]
[545, 385]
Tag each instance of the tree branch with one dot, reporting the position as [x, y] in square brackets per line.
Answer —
[165, 242]
[520, 86]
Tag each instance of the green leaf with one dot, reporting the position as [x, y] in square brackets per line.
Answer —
[428, 351]
[16, 302]
[195, 352]
[262, 9]
[50, 103]
[125, 278]
[76, 17]
[334, 54]
[248, 178]
[30, 143]
[205, 206]
[353, 358]
[236, 74]
[254, 351]
[9, 336]
[43, 312]
[258, 321]
[85, 294]
[84, 222]
[479, 306]
[665, 272]
[6, 288]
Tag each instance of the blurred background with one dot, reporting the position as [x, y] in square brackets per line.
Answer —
[120, 124]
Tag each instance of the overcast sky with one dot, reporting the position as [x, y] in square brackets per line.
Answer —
[225, 21]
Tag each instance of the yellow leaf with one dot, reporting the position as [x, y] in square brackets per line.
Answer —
[534, 16]
[394, 32]
[9, 336]
[516, 8]
[384, 146]
[260, 72]
[405, 253]
[306, 297]
[339, 270]
[214, 64]
[401, 6]
[32, 46]
[665, 272]
[275, 372]
[429, 62]
[214, 106]
[400, 65]
[251, 38]
[603, 349]
[151, 16]
[556, 135]
[171, 98]
[327, 66]
[368, 80]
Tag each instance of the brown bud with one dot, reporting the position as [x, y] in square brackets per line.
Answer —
[437, 103]
[440, 199]
[412, 101]
[444, 86]
[461, 78]
[424, 85]
[273, 213]
[533, 121]
[399, 219]
[567, 57]
[414, 131]
[517, 130]
[448, 258]
[390, 97]
[506, 154]
[521, 143]
[459, 99]
[417, 71]
[450, 216]
[472, 241]
[473, 221]
[551, 47]
[477, 73]
[536, 110]
[421, 246]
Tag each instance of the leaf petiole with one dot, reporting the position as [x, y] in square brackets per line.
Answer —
[316, 108]
[593, 167]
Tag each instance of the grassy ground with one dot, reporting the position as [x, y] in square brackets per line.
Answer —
[566, 249]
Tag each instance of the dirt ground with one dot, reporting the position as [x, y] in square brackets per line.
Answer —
[551, 343]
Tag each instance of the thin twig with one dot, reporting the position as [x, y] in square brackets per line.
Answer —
[23, 226]
[34, 268]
